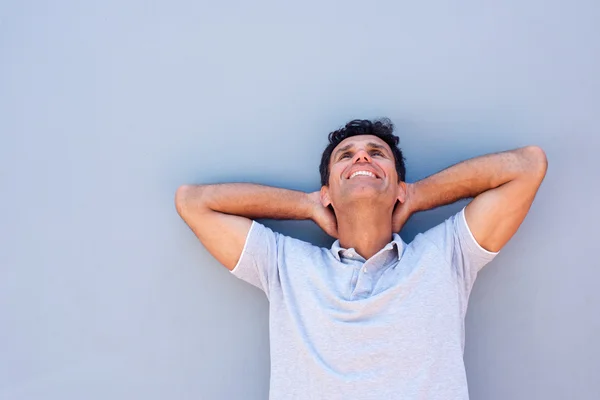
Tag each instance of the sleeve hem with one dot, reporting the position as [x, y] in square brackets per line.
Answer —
[473, 240]
[244, 248]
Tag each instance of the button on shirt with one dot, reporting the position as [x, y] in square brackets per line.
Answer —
[390, 327]
[367, 272]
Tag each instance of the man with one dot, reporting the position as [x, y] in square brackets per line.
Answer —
[373, 317]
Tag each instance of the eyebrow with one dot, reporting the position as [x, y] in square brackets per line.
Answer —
[370, 144]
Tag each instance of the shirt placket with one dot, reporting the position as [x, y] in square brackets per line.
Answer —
[364, 281]
[369, 272]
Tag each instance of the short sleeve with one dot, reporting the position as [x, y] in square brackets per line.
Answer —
[461, 250]
[468, 253]
[258, 263]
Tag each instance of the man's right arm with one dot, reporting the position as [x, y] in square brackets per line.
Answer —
[221, 215]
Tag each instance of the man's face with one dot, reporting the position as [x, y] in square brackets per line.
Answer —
[361, 168]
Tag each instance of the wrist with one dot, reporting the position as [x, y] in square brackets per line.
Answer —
[311, 201]
[412, 195]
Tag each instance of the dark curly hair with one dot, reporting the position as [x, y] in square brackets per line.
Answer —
[382, 128]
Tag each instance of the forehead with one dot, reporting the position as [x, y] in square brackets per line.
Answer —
[361, 141]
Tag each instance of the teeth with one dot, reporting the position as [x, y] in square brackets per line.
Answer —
[367, 173]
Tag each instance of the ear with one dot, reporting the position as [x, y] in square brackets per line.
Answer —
[325, 198]
[401, 195]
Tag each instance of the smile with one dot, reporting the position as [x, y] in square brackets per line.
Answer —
[364, 173]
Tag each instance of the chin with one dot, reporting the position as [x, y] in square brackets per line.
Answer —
[367, 195]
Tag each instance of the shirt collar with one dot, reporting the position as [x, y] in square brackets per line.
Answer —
[396, 244]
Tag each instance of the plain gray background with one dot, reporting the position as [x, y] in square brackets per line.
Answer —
[107, 107]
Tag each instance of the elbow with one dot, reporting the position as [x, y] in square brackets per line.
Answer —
[189, 197]
[537, 161]
[181, 197]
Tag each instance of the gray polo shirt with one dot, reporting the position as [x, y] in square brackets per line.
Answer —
[390, 327]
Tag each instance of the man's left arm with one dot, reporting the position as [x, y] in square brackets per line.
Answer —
[503, 186]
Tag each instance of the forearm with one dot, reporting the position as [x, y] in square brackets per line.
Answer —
[247, 200]
[471, 177]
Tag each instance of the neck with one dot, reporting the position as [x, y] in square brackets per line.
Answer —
[365, 228]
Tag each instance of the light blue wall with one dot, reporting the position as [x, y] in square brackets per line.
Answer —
[107, 107]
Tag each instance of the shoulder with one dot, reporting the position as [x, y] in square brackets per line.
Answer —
[440, 236]
[453, 238]
[261, 236]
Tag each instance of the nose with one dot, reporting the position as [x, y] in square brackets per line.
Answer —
[361, 156]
